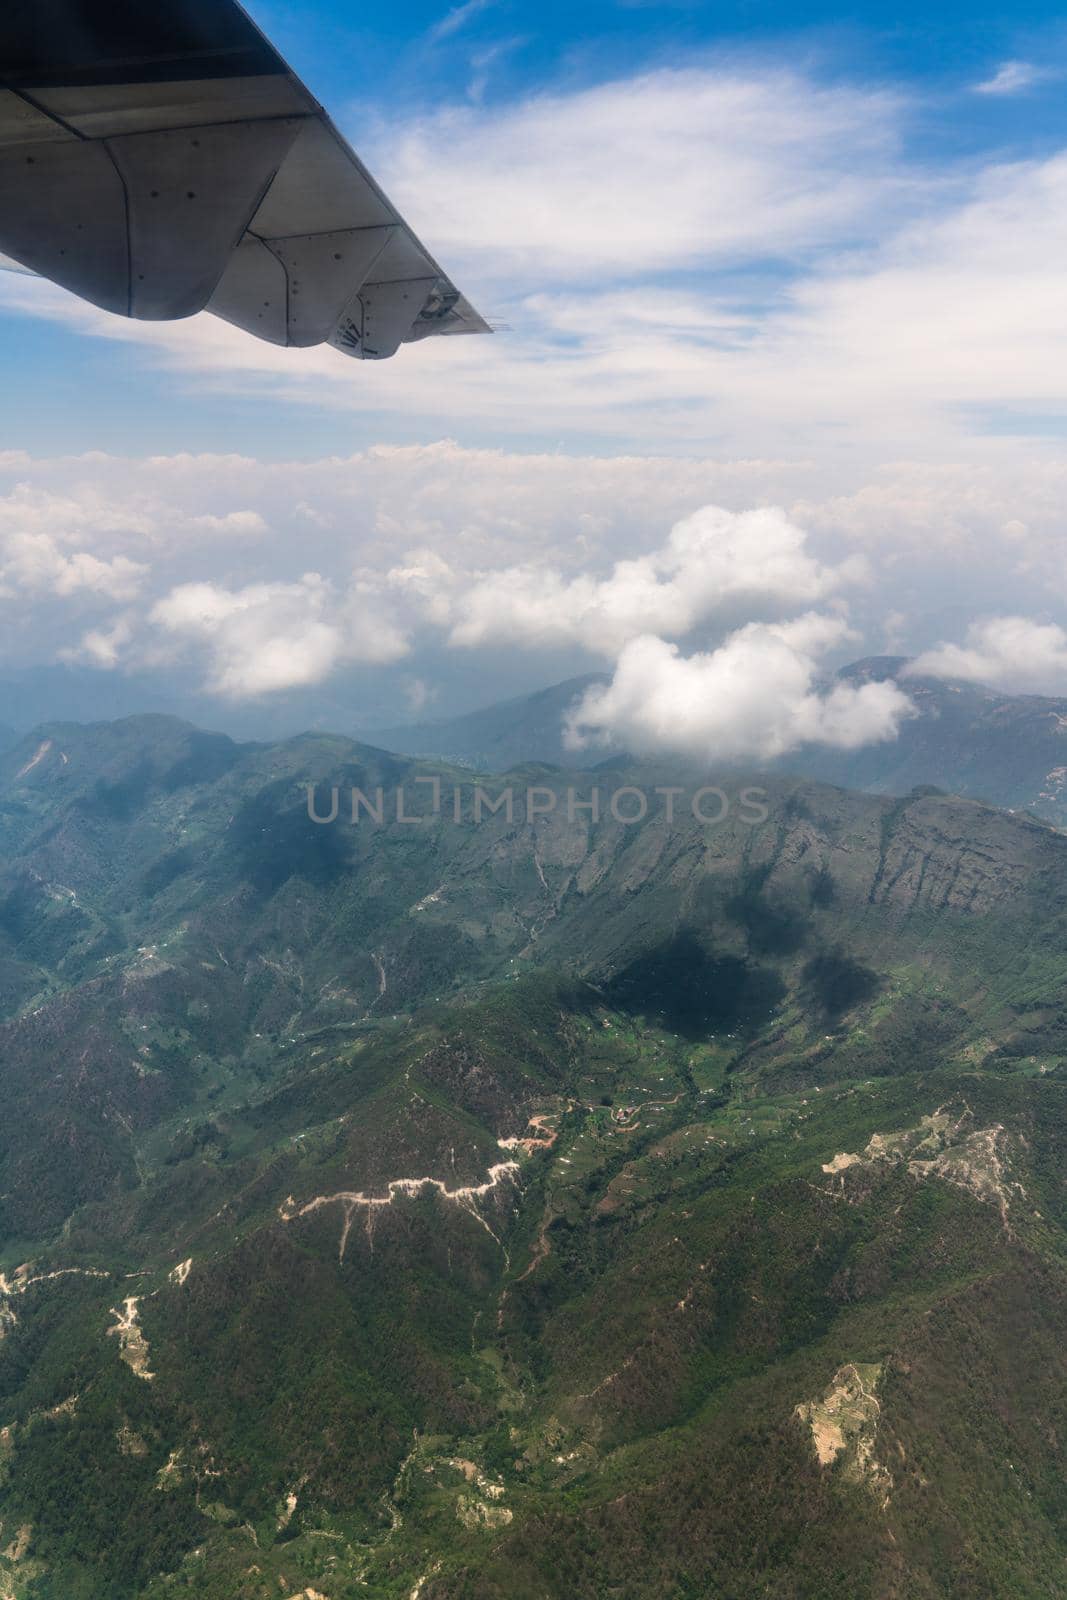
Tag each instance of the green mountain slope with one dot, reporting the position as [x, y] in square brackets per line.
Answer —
[522, 1207]
[1008, 750]
[528, 727]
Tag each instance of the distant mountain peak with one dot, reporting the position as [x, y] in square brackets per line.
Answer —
[874, 669]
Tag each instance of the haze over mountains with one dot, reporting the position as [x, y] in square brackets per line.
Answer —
[1008, 749]
[528, 727]
[521, 1207]
[969, 739]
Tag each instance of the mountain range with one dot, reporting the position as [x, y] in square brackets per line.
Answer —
[529, 1205]
[1009, 750]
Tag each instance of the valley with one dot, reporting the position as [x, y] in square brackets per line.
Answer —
[527, 1209]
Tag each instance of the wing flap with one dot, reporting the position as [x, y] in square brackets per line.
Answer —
[322, 269]
[380, 317]
[321, 189]
[253, 293]
[190, 195]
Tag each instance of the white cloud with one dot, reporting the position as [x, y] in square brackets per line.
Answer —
[78, 512]
[1012, 77]
[517, 552]
[455, 20]
[754, 698]
[33, 562]
[419, 695]
[274, 636]
[674, 168]
[714, 562]
[1006, 652]
[101, 647]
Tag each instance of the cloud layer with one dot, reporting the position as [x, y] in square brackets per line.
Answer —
[440, 559]
[1007, 652]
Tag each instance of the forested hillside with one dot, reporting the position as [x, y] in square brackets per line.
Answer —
[522, 1207]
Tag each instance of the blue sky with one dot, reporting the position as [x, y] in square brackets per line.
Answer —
[746, 259]
[418, 53]
[384, 65]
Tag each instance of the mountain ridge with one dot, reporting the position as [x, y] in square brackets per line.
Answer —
[491, 1210]
[1007, 749]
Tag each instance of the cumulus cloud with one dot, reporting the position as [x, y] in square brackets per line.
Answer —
[33, 562]
[408, 538]
[514, 552]
[498, 550]
[59, 543]
[714, 562]
[77, 511]
[754, 698]
[1006, 652]
[275, 636]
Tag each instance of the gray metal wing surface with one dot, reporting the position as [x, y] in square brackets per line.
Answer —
[160, 159]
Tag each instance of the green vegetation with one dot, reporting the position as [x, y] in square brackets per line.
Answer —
[503, 1212]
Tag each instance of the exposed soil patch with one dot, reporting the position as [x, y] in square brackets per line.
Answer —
[946, 1145]
[844, 1426]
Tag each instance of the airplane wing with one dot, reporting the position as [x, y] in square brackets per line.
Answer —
[158, 158]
